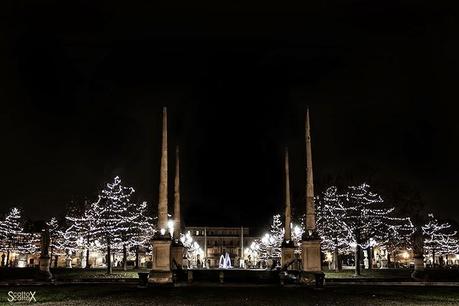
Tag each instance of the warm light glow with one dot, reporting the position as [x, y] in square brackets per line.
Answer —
[170, 226]
[405, 255]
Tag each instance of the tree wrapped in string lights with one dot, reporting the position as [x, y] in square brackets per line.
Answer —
[77, 232]
[12, 233]
[110, 217]
[365, 218]
[137, 229]
[439, 238]
[56, 240]
[113, 222]
[336, 236]
[29, 243]
[277, 236]
[269, 246]
[192, 248]
[397, 234]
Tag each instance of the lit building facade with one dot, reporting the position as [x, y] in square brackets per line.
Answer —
[216, 241]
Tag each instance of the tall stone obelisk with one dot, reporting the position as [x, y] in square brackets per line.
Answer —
[310, 209]
[161, 242]
[177, 217]
[287, 248]
[177, 246]
[310, 244]
[162, 204]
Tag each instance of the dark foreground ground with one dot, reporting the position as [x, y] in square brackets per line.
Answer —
[254, 295]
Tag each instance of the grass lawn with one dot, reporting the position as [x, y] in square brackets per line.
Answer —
[376, 273]
[63, 274]
[117, 273]
[93, 273]
[130, 295]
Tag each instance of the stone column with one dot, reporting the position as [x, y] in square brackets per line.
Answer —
[310, 245]
[287, 248]
[161, 242]
[177, 246]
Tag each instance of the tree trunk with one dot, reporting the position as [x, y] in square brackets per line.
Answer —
[124, 258]
[51, 256]
[87, 259]
[357, 255]
[87, 253]
[109, 258]
[336, 260]
[433, 258]
[8, 258]
[370, 257]
[137, 257]
[357, 260]
[56, 257]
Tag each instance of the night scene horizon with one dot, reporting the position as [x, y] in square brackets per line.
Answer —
[229, 152]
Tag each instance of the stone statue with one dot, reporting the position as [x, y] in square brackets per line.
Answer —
[44, 260]
[45, 242]
[418, 250]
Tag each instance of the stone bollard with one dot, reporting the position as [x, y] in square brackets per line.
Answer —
[282, 277]
[143, 279]
[320, 279]
[221, 277]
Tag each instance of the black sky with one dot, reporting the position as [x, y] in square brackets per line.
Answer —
[83, 83]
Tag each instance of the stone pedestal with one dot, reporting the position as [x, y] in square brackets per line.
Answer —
[419, 273]
[310, 255]
[44, 262]
[160, 272]
[177, 255]
[419, 263]
[287, 255]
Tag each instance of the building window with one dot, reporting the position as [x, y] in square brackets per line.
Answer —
[197, 233]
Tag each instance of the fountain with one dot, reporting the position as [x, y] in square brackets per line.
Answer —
[225, 261]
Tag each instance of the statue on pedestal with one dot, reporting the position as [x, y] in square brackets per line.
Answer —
[44, 259]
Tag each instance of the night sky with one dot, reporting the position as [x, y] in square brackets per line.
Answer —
[83, 85]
